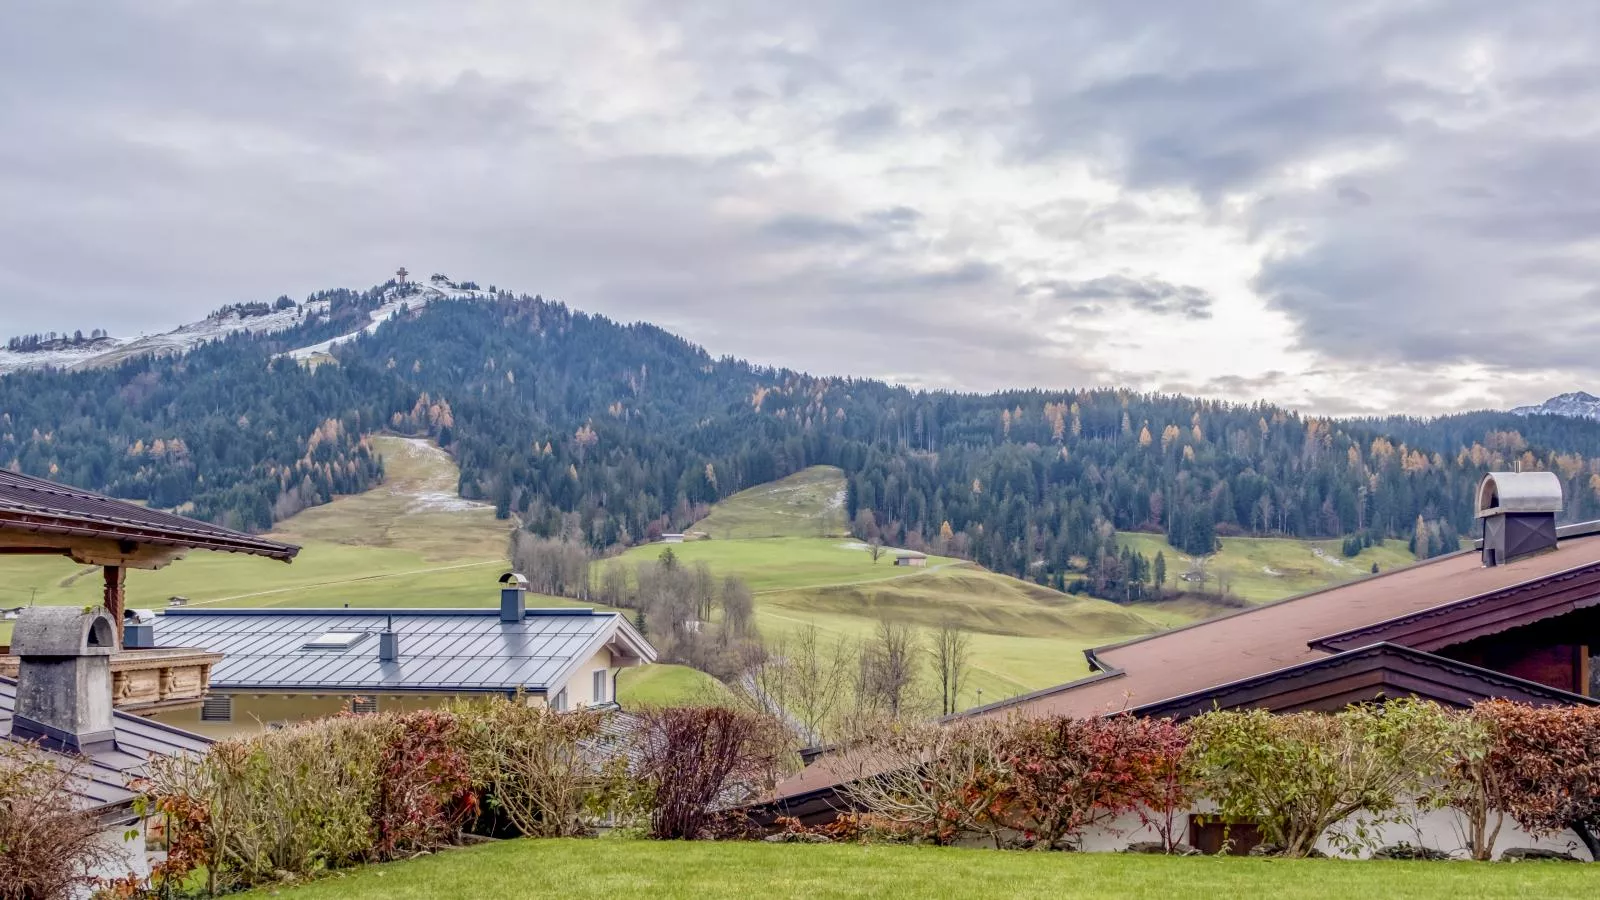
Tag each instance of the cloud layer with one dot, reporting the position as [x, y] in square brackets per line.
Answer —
[1348, 207]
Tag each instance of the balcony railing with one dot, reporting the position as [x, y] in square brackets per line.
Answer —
[148, 680]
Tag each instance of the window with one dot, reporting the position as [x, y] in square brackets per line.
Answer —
[217, 708]
[599, 685]
[363, 705]
[560, 703]
[334, 640]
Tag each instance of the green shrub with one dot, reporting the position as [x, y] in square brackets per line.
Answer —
[550, 774]
[1299, 775]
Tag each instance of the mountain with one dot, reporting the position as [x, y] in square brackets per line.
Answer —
[1578, 405]
[38, 351]
[607, 434]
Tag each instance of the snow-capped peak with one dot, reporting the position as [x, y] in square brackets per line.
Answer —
[254, 319]
[1577, 404]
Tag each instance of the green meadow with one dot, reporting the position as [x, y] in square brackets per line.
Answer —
[413, 542]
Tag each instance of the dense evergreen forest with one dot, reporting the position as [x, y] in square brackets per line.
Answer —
[609, 434]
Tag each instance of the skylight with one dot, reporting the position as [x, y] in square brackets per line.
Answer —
[334, 640]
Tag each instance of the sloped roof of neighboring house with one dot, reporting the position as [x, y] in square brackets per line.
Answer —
[452, 650]
[107, 773]
[1288, 632]
[1375, 633]
[45, 508]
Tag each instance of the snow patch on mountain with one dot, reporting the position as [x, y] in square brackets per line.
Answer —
[110, 350]
[1577, 404]
[401, 297]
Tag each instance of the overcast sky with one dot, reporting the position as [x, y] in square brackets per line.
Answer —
[1345, 207]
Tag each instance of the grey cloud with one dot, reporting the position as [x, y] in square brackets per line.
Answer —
[158, 159]
[867, 124]
[1150, 295]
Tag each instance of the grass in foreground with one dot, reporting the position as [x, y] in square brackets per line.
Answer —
[606, 869]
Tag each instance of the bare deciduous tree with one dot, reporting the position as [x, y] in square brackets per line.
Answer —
[875, 549]
[889, 668]
[952, 649]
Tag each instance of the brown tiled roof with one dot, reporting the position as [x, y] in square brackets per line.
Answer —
[1278, 635]
[1258, 641]
[43, 507]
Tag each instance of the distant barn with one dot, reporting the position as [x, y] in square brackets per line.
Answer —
[911, 558]
[672, 539]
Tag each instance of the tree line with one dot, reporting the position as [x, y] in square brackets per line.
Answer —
[610, 434]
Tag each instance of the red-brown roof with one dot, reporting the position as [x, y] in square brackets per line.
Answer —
[1265, 639]
[1278, 635]
[43, 507]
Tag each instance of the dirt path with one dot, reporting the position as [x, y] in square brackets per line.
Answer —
[928, 570]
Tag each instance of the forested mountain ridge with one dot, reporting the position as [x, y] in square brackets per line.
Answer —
[608, 434]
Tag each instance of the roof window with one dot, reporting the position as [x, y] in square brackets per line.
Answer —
[334, 640]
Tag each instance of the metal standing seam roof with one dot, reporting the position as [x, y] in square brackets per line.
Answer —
[45, 507]
[106, 774]
[454, 650]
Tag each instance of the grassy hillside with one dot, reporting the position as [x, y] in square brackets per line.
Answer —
[707, 870]
[1024, 636]
[408, 542]
[1262, 569]
[665, 685]
[809, 503]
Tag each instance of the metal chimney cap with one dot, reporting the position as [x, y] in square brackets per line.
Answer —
[64, 631]
[1501, 493]
[514, 580]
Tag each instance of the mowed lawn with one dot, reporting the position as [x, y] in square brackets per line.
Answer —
[606, 869]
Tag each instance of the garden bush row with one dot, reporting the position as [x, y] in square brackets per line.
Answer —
[366, 788]
[1302, 778]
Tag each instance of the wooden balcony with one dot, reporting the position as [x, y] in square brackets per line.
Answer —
[148, 680]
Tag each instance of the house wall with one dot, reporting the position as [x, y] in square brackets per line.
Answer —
[127, 855]
[1557, 653]
[1441, 829]
[580, 687]
[253, 713]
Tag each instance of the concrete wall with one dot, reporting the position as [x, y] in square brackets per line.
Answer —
[253, 713]
[1441, 829]
[127, 855]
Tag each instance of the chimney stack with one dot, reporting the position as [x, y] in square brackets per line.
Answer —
[1518, 514]
[513, 601]
[388, 642]
[64, 677]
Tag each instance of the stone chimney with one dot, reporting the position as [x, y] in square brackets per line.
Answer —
[513, 597]
[1518, 514]
[64, 677]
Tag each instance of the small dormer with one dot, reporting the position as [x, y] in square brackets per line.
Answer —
[1518, 514]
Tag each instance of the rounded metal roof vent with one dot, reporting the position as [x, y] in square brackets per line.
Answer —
[1519, 492]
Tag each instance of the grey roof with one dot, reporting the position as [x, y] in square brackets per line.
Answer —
[454, 650]
[106, 773]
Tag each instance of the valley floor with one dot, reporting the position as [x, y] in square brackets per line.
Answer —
[608, 868]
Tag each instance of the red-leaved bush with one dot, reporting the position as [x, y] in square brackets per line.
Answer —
[1063, 775]
[698, 761]
[1546, 762]
[424, 785]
